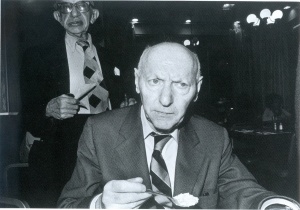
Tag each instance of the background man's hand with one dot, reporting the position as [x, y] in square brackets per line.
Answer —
[129, 102]
[62, 107]
[126, 194]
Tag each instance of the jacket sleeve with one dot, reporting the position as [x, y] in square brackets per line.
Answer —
[85, 182]
[238, 189]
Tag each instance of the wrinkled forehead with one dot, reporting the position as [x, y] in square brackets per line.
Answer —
[171, 55]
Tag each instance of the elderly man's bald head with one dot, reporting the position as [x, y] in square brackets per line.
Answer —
[168, 80]
[165, 50]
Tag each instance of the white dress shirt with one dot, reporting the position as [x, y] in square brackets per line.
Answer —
[169, 152]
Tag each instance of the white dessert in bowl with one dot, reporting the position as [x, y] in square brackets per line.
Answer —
[185, 200]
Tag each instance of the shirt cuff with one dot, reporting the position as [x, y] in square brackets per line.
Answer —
[279, 202]
[94, 201]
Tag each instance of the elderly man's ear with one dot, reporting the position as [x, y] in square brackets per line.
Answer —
[199, 83]
[57, 16]
[136, 81]
[94, 16]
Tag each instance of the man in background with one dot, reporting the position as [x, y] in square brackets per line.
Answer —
[274, 109]
[63, 83]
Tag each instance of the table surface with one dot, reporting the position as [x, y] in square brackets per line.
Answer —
[262, 142]
[257, 131]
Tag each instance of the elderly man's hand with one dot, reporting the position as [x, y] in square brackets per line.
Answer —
[126, 194]
[62, 107]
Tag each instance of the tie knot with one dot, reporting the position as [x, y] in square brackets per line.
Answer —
[84, 44]
[160, 141]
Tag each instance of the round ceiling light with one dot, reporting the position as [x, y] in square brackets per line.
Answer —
[265, 13]
[277, 14]
[186, 42]
[251, 18]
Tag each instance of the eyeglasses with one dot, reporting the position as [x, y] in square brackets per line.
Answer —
[81, 6]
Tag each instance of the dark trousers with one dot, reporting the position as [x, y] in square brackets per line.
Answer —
[52, 161]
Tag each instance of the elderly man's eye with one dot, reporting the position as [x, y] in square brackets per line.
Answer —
[181, 85]
[154, 81]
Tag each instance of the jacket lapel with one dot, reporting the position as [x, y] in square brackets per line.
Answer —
[112, 82]
[61, 68]
[190, 159]
[131, 147]
[190, 164]
[58, 72]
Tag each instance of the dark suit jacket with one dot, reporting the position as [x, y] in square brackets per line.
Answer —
[111, 147]
[45, 75]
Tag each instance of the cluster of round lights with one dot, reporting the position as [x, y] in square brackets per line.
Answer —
[193, 42]
[265, 14]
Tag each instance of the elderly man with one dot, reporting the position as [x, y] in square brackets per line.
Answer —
[158, 146]
[64, 83]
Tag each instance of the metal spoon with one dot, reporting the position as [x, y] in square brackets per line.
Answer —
[160, 193]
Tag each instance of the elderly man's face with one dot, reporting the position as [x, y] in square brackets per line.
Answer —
[76, 23]
[167, 85]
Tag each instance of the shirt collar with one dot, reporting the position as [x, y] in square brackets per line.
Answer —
[147, 130]
[71, 41]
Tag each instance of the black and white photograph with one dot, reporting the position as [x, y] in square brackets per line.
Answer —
[150, 104]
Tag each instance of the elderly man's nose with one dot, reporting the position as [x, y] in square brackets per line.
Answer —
[166, 96]
[74, 11]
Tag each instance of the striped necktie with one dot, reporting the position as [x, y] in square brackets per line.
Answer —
[98, 97]
[158, 169]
